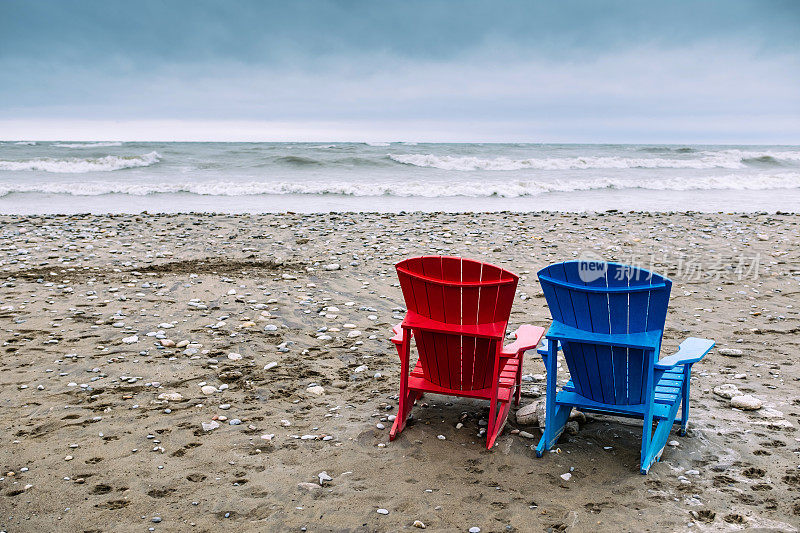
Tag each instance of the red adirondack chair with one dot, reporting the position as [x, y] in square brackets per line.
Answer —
[458, 312]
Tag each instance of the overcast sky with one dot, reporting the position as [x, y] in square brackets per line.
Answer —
[567, 71]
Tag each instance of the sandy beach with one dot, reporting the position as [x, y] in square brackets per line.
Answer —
[207, 372]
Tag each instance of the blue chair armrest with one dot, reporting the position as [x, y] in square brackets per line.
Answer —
[690, 351]
[544, 347]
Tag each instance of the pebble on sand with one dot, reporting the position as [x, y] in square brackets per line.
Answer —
[730, 352]
[170, 396]
[527, 415]
[726, 390]
[746, 402]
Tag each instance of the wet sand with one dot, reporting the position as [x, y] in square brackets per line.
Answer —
[138, 390]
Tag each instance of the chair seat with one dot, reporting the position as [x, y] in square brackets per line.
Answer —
[508, 372]
[667, 394]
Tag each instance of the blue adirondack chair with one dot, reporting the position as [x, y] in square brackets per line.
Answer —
[608, 319]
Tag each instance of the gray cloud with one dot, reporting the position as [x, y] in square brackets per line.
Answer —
[618, 71]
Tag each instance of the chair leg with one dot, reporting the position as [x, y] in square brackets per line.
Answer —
[407, 400]
[492, 422]
[407, 397]
[518, 393]
[496, 422]
[656, 445]
[554, 427]
[687, 371]
[556, 416]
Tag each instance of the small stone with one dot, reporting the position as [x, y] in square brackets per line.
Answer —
[746, 402]
[288, 277]
[208, 426]
[730, 352]
[308, 487]
[234, 421]
[419, 523]
[527, 415]
[170, 396]
[673, 443]
[474, 530]
[131, 340]
[167, 343]
[208, 389]
[768, 412]
[156, 519]
[566, 477]
[316, 390]
[234, 356]
[726, 390]
[526, 435]
[383, 511]
[270, 327]
[332, 266]
[441, 437]
[271, 365]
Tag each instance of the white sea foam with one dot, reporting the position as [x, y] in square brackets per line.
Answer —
[730, 159]
[88, 145]
[26, 143]
[376, 144]
[744, 155]
[507, 189]
[75, 165]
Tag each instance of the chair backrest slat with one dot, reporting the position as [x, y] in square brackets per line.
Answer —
[456, 291]
[607, 298]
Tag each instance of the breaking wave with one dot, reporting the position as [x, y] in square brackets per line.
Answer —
[508, 189]
[76, 165]
[88, 145]
[730, 159]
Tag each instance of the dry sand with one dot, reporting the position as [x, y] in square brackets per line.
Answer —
[101, 414]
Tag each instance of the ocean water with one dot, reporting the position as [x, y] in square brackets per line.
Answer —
[115, 177]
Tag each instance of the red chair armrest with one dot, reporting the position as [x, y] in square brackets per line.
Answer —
[527, 337]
